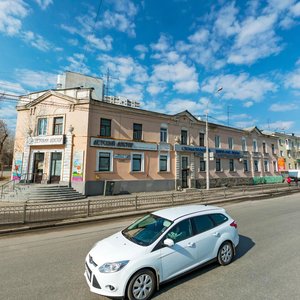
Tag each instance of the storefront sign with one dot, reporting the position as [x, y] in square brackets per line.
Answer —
[108, 143]
[224, 153]
[189, 148]
[17, 166]
[45, 140]
[77, 169]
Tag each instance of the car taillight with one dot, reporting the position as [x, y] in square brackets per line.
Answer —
[233, 224]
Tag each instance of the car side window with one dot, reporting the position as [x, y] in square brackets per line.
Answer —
[202, 223]
[180, 231]
[218, 219]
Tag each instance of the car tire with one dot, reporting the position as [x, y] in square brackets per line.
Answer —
[225, 253]
[142, 285]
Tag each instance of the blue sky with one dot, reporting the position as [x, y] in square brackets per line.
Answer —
[169, 55]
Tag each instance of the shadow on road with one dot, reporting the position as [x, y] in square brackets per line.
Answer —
[245, 245]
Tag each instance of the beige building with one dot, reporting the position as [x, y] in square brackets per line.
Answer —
[66, 136]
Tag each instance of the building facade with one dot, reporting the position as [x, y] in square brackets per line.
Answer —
[66, 136]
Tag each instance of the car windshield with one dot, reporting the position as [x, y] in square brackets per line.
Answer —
[146, 230]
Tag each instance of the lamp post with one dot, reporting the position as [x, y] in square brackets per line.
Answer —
[206, 143]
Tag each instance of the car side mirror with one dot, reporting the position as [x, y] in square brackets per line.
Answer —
[168, 242]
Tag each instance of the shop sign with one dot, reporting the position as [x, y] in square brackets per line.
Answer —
[224, 153]
[45, 140]
[108, 143]
[281, 164]
[189, 148]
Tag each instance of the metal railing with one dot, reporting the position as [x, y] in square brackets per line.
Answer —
[53, 211]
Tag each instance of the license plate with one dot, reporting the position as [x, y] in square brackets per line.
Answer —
[88, 272]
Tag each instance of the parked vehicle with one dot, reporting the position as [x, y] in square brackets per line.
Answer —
[158, 247]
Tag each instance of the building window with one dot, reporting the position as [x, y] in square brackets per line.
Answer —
[184, 134]
[280, 142]
[137, 131]
[163, 163]
[218, 164]
[217, 141]
[201, 139]
[42, 126]
[273, 149]
[244, 144]
[256, 168]
[275, 166]
[266, 164]
[58, 125]
[164, 135]
[137, 162]
[254, 145]
[246, 169]
[230, 143]
[264, 147]
[231, 165]
[105, 127]
[281, 153]
[202, 165]
[105, 161]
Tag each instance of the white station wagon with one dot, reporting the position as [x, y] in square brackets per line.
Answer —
[158, 247]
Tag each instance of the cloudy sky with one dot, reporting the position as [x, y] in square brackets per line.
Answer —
[171, 55]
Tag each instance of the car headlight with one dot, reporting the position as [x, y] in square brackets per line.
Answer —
[113, 267]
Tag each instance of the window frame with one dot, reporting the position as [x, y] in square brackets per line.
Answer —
[141, 163]
[244, 144]
[163, 134]
[231, 165]
[105, 127]
[219, 165]
[202, 163]
[59, 125]
[246, 164]
[266, 165]
[44, 127]
[110, 160]
[217, 141]
[182, 141]
[137, 133]
[201, 139]
[230, 143]
[167, 161]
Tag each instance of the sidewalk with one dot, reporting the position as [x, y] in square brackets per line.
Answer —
[236, 195]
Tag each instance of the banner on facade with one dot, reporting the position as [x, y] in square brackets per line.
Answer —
[281, 164]
[77, 169]
[17, 166]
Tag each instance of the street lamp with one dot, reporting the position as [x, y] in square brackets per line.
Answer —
[206, 143]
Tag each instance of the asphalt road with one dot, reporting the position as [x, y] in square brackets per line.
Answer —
[49, 264]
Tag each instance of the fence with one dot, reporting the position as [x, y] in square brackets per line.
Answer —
[51, 211]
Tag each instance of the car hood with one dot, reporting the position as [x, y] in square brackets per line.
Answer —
[116, 248]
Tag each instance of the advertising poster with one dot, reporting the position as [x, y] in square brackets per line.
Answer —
[17, 166]
[281, 164]
[77, 169]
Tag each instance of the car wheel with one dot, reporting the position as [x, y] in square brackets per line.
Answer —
[142, 285]
[225, 254]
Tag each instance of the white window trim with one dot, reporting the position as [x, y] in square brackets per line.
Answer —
[168, 161]
[142, 162]
[111, 160]
[258, 165]
[244, 139]
[220, 144]
[230, 137]
[256, 148]
[187, 135]
[37, 127]
[164, 126]
[268, 165]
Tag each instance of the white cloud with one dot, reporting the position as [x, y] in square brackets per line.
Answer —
[36, 79]
[279, 125]
[104, 43]
[77, 64]
[280, 107]
[37, 41]
[241, 87]
[142, 49]
[12, 88]
[11, 15]
[293, 79]
[178, 105]
[44, 3]
[295, 10]
[199, 37]
[155, 88]
[248, 104]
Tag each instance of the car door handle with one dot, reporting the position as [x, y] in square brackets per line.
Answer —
[191, 244]
[216, 234]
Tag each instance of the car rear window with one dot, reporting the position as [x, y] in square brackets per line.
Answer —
[218, 219]
[202, 223]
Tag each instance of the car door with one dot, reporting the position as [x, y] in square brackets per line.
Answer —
[206, 237]
[182, 255]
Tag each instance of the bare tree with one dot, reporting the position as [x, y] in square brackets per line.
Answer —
[3, 136]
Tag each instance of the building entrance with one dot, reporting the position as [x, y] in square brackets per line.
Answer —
[38, 167]
[55, 170]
